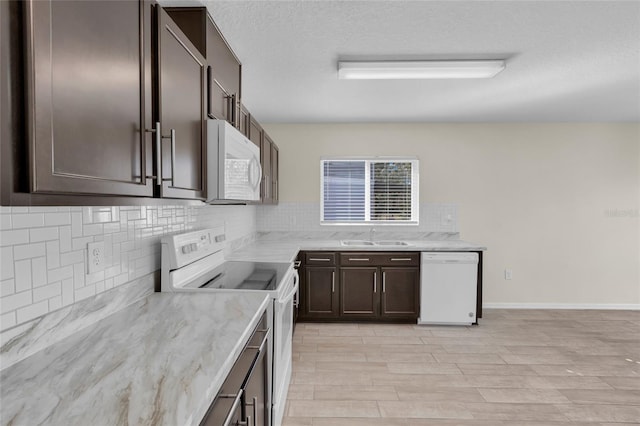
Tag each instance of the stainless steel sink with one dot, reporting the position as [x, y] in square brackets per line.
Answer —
[357, 243]
[391, 243]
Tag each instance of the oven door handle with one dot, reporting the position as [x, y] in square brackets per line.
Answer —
[291, 293]
[296, 297]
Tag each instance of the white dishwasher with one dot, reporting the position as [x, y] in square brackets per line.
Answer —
[448, 288]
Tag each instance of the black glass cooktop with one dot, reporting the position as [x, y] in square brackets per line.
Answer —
[244, 276]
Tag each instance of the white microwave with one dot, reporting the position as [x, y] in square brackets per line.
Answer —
[233, 165]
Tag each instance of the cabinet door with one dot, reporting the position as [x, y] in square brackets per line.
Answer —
[359, 292]
[255, 391]
[224, 77]
[320, 292]
[255, 133]
[244, 121]
[181, 112]
[265, 161]
[400, 292]
[88, 82]
[274, 173]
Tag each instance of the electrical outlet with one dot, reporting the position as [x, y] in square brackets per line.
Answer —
[95, 257]
[508, 274]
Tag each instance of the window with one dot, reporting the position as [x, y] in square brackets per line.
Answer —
[369, 191]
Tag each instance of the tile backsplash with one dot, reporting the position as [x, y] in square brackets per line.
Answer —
[305, 217]
[44, 250]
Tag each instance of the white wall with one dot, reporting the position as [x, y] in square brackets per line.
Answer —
[557, 203]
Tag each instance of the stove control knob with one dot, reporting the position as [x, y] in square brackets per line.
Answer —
[194, 246]
[186, 249]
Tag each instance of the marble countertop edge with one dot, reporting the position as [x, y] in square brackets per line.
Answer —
[286, 250]
[159, 361]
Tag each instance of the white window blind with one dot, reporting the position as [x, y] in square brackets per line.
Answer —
[367, 191]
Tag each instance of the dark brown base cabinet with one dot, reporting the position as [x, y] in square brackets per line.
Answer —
[400, 292]
[244, 398]
[359, 296]
[372, 292]
[319, 293]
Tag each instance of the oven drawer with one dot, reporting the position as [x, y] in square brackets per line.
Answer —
[320, 258]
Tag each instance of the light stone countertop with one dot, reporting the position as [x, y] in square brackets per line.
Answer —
[160, 361]
[283, 250]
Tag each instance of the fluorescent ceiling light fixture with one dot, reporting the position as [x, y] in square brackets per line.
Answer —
[408, 70]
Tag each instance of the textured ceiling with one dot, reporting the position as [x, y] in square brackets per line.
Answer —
[566, 60]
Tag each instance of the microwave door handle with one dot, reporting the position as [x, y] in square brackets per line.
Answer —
[256, 164]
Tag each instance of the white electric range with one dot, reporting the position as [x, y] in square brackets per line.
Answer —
[194, 261]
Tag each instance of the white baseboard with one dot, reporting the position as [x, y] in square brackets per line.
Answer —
[603, 306]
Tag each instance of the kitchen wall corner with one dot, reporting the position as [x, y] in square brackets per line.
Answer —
[44, 251]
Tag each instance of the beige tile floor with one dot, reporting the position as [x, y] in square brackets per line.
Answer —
[517, 368]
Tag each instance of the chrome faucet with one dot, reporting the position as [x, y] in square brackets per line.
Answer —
[372, 234]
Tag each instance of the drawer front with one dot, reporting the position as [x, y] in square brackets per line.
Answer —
[398, 258]
[320, 258]
[358, 259]
[259, 332]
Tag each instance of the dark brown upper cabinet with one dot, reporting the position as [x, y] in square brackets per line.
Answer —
[224, 77]
[88, 97]
[269, 157]
[269, 161]
[265, 160]
[244, 121]
[255, 132]
[180, 134]
[224, 70]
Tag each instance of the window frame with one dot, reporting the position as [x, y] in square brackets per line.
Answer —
[415, 191]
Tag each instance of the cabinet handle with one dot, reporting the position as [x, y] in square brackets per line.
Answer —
[173, 157]
[333, 281]
[158, 142]
[319, 259]
[209, 81]
[263, 343]
[400, 259]
[158, 131]
[384, 282]
[375, 279]
[234, 111]
[255, 411]
[231, 106]
[360, 259]
[234, 407]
